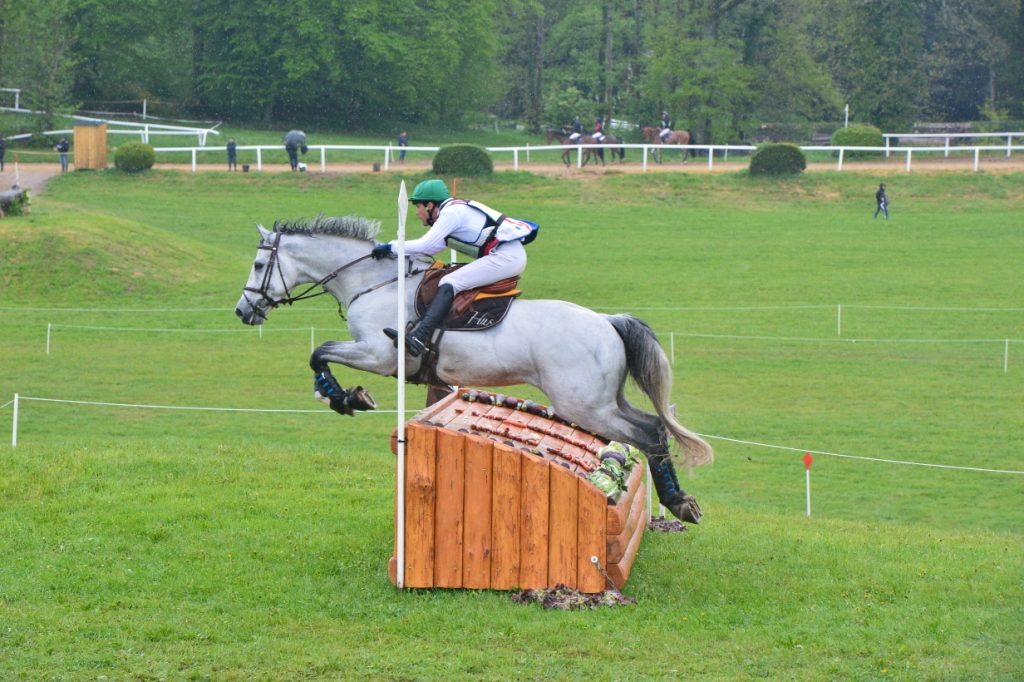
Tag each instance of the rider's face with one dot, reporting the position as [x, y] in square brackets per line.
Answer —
[425, 212]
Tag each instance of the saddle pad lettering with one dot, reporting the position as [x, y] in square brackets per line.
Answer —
[473, 310]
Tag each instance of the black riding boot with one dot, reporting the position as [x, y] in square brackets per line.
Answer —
[682, 506]
[416, 340]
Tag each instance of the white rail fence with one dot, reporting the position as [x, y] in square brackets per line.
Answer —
[521, 156]
[947, 139]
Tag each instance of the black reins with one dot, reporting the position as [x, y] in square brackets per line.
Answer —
[272, 264]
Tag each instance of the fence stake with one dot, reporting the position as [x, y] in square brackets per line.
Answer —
[14, 427]
[193, 160]
[976, 154]
[672, 347]
[49, 326]
[839, 167]
[259, 159]
[909, 153]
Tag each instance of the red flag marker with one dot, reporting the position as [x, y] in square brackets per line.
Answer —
[807, 465]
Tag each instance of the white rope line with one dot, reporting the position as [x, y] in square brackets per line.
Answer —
[866, 459]
[713, 437]
[9, 402]
[682, 334]
[182, 407]
[240, 330]
[834, 339]
[794, 306]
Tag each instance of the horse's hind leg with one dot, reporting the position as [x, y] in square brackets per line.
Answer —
[622, 422]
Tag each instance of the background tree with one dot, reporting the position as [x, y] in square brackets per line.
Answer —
[39, 41]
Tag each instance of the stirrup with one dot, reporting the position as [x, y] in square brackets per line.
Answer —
[413, 346]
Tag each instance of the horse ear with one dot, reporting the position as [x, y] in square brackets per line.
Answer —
[264, 232]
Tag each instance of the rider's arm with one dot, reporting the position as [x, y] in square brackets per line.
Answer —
[456, 220]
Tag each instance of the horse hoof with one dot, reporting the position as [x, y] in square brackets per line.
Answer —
[686, 509]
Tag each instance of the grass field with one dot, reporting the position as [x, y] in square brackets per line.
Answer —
[171, 544]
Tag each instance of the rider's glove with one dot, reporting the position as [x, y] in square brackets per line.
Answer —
[381, 251]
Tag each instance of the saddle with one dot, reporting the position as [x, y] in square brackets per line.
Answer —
[473, 309]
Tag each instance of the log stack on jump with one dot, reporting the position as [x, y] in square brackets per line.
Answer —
[497, 497]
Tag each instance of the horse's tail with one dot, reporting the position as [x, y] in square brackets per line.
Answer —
[650, 369]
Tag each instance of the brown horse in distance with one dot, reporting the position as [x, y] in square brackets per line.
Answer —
[563, 138]
[676, 137]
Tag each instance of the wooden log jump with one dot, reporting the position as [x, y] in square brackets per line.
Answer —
[497, 498]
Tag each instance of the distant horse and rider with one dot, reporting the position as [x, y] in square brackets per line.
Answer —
[591, 146]
[653, 135]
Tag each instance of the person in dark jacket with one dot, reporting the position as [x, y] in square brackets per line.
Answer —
[295, 140]
[232, 154]
[882, 200]
[63, 147]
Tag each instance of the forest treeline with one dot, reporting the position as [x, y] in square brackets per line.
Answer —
[719, 67]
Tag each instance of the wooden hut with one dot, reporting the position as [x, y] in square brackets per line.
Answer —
[90, 145]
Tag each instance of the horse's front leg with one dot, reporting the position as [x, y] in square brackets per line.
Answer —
[356, 354]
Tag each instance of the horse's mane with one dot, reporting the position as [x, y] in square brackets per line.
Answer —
[345, 226]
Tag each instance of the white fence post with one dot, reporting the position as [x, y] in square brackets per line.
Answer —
[259, 158]
[908, 159]
[14, 422]
[977, 154]
[193, 160]
[839, 165]
[711, 157]
[323, 159]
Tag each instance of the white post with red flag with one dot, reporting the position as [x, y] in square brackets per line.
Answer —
[807, 465]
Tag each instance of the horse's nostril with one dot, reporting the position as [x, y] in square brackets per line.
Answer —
[238, 312]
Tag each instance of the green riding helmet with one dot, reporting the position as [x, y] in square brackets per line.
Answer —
[431, 190]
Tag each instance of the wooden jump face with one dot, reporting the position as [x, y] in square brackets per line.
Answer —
[496, 498]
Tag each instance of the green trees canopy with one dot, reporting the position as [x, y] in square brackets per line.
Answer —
[721, 67]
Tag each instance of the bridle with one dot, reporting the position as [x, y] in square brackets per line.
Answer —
[272, 264]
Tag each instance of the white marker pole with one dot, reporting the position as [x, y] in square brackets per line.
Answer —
[403, 209]
[14, 427]
[49, 328]
[807, 465]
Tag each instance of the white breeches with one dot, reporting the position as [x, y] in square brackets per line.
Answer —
[507, 259]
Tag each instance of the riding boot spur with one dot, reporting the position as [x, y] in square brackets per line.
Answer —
[417, 340]
[683, 506]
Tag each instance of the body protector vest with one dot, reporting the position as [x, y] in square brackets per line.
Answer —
[497, 228]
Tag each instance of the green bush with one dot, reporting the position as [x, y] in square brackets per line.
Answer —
[858, 136]
[463, 159]
[778, 158]
[133, 157]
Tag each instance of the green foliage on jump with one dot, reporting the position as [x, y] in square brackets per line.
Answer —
[778, 158]
[134, 157]
[463, 159]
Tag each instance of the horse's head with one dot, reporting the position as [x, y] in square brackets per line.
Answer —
[296, 253]
[269, 278]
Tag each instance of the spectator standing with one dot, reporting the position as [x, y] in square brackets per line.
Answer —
[3, 150]
[882, 201]
[63, 147]
[232, 154]
[294, 140]
[403, 142]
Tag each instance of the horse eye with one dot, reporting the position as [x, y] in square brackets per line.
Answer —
[258, 266]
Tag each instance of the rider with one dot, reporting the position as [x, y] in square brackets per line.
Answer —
[666, 127]
[598, 130]
[577, 130]
[498, 243]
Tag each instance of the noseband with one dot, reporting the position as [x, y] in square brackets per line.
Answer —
[268, 274]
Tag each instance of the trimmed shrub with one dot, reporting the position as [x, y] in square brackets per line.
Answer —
[778, 158]
[463, 159]
[134, 157]
[858, 136]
